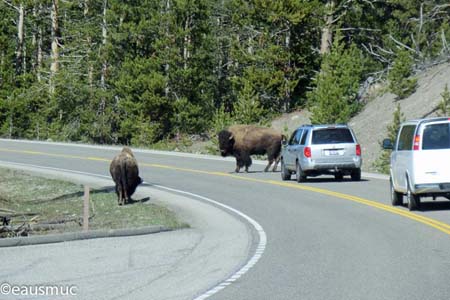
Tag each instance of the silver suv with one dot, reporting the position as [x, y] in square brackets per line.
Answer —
[420, 161]
[314, 150]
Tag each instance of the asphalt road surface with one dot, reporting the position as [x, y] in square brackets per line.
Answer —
[325, 239]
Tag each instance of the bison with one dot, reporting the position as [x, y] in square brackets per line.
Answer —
[125, 173]
[241, 141]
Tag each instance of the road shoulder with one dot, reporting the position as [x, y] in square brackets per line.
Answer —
[170, 265]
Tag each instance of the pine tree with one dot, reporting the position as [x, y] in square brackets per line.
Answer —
[400, 81]
[383, 162]
[334, 98]
[267, 48]
[444, 105]
[221, 120]
[172, 63]
[247, 109]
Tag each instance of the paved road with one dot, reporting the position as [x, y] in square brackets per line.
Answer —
[172, 265]
[325, 239]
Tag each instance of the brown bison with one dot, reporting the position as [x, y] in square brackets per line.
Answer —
[125, 173]
[241, 141]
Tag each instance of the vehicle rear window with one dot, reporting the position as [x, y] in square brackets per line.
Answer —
[436, 136]
[332, 136]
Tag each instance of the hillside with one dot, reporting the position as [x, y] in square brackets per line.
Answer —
[370, 124]
[145, 73]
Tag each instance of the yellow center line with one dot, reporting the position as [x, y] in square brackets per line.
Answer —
[443, 227]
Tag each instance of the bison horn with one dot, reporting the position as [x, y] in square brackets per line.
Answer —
[231, 137]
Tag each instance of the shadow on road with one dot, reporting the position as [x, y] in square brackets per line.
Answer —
[331, 179]
[107, 189]
[133, 201]
[254, 172]
[435, 206]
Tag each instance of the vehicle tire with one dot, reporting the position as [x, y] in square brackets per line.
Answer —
[356, 174]
[339, 176]
[300, 175]
[396, 197]
[285, 173]
[413, 200]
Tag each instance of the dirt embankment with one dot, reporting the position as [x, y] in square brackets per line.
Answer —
[370, 125]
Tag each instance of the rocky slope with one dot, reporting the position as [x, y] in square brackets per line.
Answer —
[370, 125]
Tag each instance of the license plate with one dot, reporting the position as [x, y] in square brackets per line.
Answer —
[333, 152]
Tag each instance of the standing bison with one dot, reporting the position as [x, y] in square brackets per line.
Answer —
[241, 141]
[125, 173]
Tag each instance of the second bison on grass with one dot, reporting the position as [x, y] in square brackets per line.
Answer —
[241, 141]
[125, 173]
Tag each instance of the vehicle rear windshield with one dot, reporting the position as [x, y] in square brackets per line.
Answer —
[436, 136]
[332, 136]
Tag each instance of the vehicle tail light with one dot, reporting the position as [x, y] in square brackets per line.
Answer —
[358, 150]
[416, 142]
[307, 152]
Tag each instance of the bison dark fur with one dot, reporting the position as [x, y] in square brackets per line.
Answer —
[125, 173]
[242, 141]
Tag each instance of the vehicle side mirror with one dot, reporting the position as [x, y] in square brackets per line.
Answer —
[387, 144]
[284, 143]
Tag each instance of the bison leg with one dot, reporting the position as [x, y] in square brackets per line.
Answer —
[126, 198]
[276, 163]
[120, 195]
[116, 188]
[239, 165]
[268, 165]
[274, 154]
[239, 161]
[247, 161]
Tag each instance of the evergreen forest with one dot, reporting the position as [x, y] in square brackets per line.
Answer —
[139, 72]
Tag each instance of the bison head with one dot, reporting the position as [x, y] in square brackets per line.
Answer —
[226, 143]
[133, 185]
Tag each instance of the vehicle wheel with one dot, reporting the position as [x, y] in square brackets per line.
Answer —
[396, 197]
[300, 175]
[339, 176]
[413, 200]
[356, 174]
[285, 173]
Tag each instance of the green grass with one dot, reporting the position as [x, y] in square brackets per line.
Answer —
[37, 200]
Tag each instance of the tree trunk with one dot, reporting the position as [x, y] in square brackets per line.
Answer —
[327, 30]
[287, 96]
[167, 66]
[39, 55]
[36, 64]
[187, 41]
[54, 67]
[20, 41]
[104, 39]
[102, 106]
[250, 46]
[90, 69]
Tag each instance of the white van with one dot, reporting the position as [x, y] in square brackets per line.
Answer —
[420, 161]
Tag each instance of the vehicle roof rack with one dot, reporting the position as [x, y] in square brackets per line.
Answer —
[429, 120]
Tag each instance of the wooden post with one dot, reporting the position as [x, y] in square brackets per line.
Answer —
[86, 208]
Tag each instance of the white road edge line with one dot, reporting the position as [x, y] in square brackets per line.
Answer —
[167, 153]
[258, 228]
[253, 260]
[136, 150]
